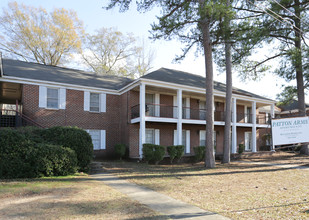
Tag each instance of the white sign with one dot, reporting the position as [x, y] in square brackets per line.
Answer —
[290, 130]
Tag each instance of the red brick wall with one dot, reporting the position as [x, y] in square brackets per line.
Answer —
[117, 121]
[74, 115]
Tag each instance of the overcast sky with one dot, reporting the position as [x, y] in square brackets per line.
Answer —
[93, 15]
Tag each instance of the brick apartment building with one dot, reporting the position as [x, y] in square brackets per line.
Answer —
[119, 110]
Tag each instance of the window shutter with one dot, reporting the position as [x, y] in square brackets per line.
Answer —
[202, 137]
[42, 97]
[86, 100]
[187, 141]
[175, 137]
[157, 136]
[103, 139]
[62, 98]
[103, 102]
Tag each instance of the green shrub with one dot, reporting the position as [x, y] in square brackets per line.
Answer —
[23, 154]
[55, 160]
[172, 152]
[75, 138]
[17, 156]
[180, 149]
[148, 152]
[158, 153]
[241, 148]
[153, 153]
[120, 150]
[199, 153]
[31, 133]
[175, 152]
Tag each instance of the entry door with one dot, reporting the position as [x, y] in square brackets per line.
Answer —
[202, 107]
[150, 108]
[248, 141]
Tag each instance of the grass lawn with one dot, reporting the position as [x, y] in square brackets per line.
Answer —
[238, 190]
[74, 197]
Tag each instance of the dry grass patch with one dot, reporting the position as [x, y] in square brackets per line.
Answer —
[282, 158]
[238, 190]
[67, 198]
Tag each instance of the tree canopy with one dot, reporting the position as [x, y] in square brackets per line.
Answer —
[111, 52]
[33, 34]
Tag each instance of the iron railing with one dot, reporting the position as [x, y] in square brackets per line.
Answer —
[13, 118]
[167, 111]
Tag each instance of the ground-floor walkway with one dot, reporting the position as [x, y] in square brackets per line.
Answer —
[287, 166]
[158, 202]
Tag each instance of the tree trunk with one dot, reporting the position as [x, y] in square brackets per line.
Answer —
[228, 99]
[299, 71]
[207, 44]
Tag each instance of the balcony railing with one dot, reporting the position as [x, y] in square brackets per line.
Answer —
[243, 118]
[167, 111]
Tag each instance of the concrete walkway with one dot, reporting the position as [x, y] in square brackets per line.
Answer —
[287, 166]
[158, 202]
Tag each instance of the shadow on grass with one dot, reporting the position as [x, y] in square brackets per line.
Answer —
[42, 209]
[270, 207]
[145, 171]
[179, 175]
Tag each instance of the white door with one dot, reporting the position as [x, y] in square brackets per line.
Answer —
[202, 107]
[150, 108]
[248, 141]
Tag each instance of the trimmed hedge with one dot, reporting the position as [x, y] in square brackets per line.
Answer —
[120, 150]
[241, 148]
[55, 160]
[153, 153]
[199, 153]
[175, 152]
[21, 157]
[75, 138]
[17, 155]
[33, 152]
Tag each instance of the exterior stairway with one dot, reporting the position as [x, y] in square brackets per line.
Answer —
[15, 119]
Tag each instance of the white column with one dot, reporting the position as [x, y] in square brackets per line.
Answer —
[179, 121]
[253, 126]
[272, 111]
[234, 128]
[272, 114]
[142, 110]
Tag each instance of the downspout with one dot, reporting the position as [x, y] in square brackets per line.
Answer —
[1, 69]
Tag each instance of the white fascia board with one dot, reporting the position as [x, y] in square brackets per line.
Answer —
[262, 126]
[191, 121]
[129, 86]
[219, 123]
[157, 119]
[249, 125]
[135, 120]
[56, 85]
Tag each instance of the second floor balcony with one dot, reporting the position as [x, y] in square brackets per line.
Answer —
[167, 111]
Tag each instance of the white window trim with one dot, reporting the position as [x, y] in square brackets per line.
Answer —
[102, 138]
[202, 133]
[187, 144]
[156, 133]
[247, 143]
[43, 97]
[102, 102]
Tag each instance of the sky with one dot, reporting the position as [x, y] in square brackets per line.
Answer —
[94, 16]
